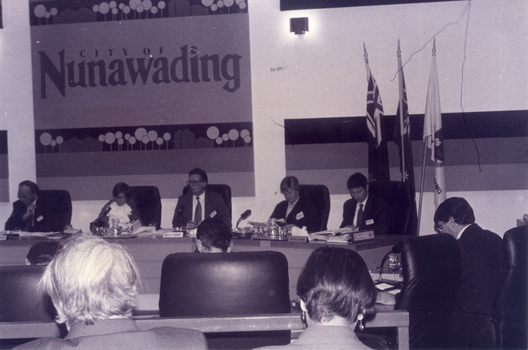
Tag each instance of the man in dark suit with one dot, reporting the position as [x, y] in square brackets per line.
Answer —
[482, 264]
[364, 211]
[93, 285]
[213, 236]
[31, 212]
[199, 203]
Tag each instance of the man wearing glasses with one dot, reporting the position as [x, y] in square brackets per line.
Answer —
[199, 204]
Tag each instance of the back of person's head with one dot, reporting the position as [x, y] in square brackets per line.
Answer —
[41, 253]
[122, 187]
[289, 182]
[456, 207]
[335, 282]
[357, 180]
[90, 279]
[32, 186]
[214, 235]
[201, 172]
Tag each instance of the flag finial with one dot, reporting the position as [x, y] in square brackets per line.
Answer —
[399, 51]
[434, 47]
[365, 54]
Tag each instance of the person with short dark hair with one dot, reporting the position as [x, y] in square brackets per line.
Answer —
[365, 211]
[482, 260]
[42, 252]
[199, 203]
[335, 288]
[121, 208]
[213, 236]
[93, 285]
[296, 210]
[31, 213]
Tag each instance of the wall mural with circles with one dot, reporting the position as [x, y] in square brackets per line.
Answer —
[141, 91]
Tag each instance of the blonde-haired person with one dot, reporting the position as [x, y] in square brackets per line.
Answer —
[93, 285]
[335, 289]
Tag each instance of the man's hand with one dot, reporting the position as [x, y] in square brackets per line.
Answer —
[385, 298]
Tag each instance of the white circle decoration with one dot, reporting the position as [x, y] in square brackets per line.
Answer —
[132, 140]
[59, 139]
[120, 141]
[145, 139]
[47, 15]
[167, 136]
[95, 8]
[53, 143]
[104, 8]
[40, 11]
[229, 3]
[139, 8]
[134, 3]
[207, 3]
[101, 138]
[110, 138]
[242, 5]
[247, 139]
[233, 134]
[214, 7]
[244, 133]
[54, 11]
[126, 10]
[152, 135]
[45, 138]
[219, 140]
[115, 11]
[220, 4]
[113, 4]
[154, 10]
[159, 141]
[140, 132]
[161, 5]
[127, 136]
[119, 135]
[213, 132]
[225, 137]
[147, 4]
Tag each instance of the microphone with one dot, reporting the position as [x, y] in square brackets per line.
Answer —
[106, 210]
[244, 216]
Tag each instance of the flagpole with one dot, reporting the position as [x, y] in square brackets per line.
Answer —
[400, 80]
[422, 184]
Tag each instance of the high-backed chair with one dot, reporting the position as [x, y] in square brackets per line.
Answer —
[402, 205]
[224, 190]
[228, 284]
[512, 325]
[431, 274]
[20, 299]
[320, 195]
[148, 203]
[62, 207]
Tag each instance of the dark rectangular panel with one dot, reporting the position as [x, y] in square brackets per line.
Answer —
[286, 5]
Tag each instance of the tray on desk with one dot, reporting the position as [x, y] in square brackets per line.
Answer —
[268, 238]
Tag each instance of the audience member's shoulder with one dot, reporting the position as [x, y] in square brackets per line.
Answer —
[185, 338]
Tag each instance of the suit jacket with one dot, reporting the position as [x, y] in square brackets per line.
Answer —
[482, 270]
[121, 333]
[324, 338]
[375, 214]
[304, 213]
[214, 207]
[44, 219]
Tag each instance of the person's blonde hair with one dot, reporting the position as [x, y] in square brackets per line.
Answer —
[91, 279]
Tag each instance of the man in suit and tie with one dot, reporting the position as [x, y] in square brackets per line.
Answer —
[199, 203]
[31, 212]
[364, 211]
[213, 236]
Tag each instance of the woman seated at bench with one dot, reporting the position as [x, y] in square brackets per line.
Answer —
[335, 289]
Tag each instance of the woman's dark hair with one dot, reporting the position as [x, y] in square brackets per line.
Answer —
[122, 187]
[289, 182]
[335, 282]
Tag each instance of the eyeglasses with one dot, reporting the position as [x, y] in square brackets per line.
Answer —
[194, 183]
[440, 226]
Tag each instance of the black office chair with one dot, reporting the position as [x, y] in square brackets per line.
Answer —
[512, 325]
[148, 203]
[240, 283]
[403, 216]
[62, 207]
[20, 299]
[224, 190]
[431, 274]
[320, 195]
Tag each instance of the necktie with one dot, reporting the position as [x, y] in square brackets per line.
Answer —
[198, 211]
[28, 216]
[360, 216]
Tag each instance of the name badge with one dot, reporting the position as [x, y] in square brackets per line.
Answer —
[299, 216]
[370, 222]
[40, 218]
[213, 214]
